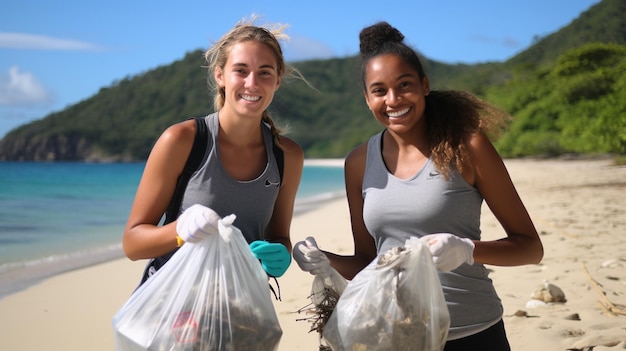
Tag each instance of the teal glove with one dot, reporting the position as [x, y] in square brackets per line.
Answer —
[274, 257]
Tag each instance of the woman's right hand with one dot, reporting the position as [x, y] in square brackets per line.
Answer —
[196, 223]
[310, 258]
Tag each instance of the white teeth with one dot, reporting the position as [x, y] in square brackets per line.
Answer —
[398, 113]
[250, 97]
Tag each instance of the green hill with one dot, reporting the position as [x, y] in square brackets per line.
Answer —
[566, 93]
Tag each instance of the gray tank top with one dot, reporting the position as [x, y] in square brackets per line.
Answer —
[252, 201]
[395, 209]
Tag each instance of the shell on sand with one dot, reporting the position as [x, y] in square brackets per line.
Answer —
[612, 263]
[532, 303]
[549, 292]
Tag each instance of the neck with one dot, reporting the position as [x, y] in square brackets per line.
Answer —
[238, 130]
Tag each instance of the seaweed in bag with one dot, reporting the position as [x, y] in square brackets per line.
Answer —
[395, 303]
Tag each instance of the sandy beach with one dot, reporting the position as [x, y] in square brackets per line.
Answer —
[578, 206]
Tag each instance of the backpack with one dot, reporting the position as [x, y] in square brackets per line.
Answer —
[196, 156]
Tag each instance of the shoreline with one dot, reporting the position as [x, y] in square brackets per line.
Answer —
[578, 208]
[327, 162]
[23, 275]
[18, 276]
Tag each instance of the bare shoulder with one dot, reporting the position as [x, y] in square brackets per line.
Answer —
[479, 141]
[174, 145]
[482, 149]
[291, 149]
[164, 165]
[293, 168]
[181, 132]
[486, 164]
[356, 157]
[354, 166]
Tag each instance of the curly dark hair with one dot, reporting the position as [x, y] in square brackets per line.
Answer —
[452, 116]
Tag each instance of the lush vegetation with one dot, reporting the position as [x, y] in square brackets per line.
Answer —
[576, 105]
[566, 93]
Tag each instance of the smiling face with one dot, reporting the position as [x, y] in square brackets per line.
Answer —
[249, 79]
[395, 93]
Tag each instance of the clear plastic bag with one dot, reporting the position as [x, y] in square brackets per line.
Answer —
[212, 295]
[332, 283]
[395, 303]
[325, 292]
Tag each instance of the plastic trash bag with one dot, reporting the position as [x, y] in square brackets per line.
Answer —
[395, 303]
[326, 289]
[324, 284]
[212, 295]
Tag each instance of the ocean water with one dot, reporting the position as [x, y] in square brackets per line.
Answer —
[55, 217]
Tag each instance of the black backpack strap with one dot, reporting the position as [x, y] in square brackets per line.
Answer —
[280, 159]
[196, 155]
[193, 162]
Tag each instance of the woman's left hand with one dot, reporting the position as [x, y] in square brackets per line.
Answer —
[274, 257]
[449, 251]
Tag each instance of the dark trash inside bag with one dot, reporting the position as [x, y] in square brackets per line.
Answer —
[395, 303]
[212, 295]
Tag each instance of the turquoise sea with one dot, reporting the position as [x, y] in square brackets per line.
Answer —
[56, 217]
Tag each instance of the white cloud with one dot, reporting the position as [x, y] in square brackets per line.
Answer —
[302, 48]
[10, 40]
[22, 88]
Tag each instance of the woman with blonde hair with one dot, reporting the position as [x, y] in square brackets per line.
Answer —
[239, 173]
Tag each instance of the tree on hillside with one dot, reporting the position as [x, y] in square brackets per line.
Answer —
[575, 105]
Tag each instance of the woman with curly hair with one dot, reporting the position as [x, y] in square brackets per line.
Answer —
[426, 175]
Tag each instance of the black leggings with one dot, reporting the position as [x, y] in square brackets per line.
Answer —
[492, 339]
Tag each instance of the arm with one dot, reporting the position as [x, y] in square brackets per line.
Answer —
[490, 176]
[278, 229]
[143, 238]
[364, 246]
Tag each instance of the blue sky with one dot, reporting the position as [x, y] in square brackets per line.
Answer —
[54, 54]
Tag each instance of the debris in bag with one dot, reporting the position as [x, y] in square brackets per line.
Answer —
[325, 293]
[395, 303]
[212, 295]
[190, 331]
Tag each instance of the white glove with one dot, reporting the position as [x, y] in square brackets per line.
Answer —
[196, 223]
[449, 251]
[310, 258]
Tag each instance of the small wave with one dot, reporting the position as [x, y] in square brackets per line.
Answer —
[69, 258]
[312, 202]
[16, 276]
[324, 162]
[17, 228]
